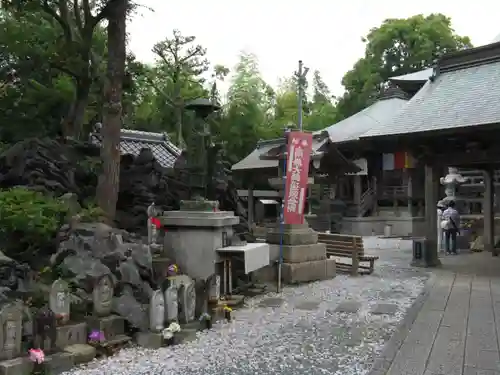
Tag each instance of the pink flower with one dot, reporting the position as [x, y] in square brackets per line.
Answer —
[37, 355]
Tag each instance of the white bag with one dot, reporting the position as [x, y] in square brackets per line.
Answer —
[445, 224]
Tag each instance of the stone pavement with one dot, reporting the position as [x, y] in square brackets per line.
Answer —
[456, 328]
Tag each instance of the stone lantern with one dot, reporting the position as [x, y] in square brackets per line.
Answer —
[451, 182]
[197, 168]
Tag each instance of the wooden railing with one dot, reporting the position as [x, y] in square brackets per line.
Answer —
[366, 202]
[393, 191]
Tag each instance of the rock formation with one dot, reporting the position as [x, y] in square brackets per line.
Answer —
[66, 166]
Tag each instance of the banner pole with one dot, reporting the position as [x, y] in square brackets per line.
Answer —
[282, 214]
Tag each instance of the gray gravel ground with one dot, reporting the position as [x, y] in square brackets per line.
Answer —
[299, 331]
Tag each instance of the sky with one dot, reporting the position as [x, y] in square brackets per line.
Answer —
[325, 34]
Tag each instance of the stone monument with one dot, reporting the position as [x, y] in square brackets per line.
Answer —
[102, 319]
[153, 339]
[171, 303]
[304, 259]
[11, 324]
[59, 300]
[195, 232]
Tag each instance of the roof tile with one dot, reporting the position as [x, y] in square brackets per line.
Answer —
[456, 99]
[133, 141]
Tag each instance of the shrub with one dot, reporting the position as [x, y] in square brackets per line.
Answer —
[91, 213]
[29, 222]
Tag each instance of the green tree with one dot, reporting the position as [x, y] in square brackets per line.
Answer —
[182, 62]
[248, 112]
[75, 48]
[398, 46]
[322, 108]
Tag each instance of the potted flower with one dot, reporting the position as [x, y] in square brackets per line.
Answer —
[96, 339]
[227, 312]
[173, 269]
[168, 333]
[37, 356]
[206, 321]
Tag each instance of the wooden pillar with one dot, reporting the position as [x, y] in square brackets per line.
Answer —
[375, 196]
[489, 215]
[431, 199]
[251, 205]
[409, 190]
[357, 189]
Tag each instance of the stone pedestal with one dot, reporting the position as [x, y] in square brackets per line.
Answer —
[149, 340]
[304, 259]
[192, 238]
[54, 364]
[113, 327]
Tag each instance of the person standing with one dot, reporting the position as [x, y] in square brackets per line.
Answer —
[451, 225]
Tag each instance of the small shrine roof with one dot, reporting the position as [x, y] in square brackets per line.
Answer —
[132, 141]
[261, 156]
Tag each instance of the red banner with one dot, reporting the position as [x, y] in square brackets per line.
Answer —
[297, 173]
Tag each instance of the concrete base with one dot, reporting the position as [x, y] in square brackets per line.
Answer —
[192, 238]
[304, 259]
[299, 253]
[293, 234]
[54, 364]
[150, 340]
[292, 273]
[188, 331]
[111, 326]
[71, 334]
[82, 353]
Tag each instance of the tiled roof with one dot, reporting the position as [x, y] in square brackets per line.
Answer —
[132, 141]
[453, 99]
[254, 160]
[370, 118]
[422, 75]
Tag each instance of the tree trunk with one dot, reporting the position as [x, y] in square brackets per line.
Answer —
[107, 191]
[73, 122]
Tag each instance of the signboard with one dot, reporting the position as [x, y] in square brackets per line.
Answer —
[297, 171]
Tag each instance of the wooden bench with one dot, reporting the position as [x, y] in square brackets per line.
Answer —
[346, 246]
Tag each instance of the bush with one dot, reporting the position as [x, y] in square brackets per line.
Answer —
[29, 222]
[91, 213]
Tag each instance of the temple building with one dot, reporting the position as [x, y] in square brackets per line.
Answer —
[404, 143]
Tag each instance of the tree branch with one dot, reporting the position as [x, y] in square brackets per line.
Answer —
[53, 14]
[87, 15]
[64, 70]
[78, 16]
[105, 12]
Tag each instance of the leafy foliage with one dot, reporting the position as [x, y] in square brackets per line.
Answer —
[397, 47]
[41, 70]
[91, 213]
[29, 222]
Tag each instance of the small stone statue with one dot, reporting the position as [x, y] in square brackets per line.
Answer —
[44, 327]
[153, 230]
